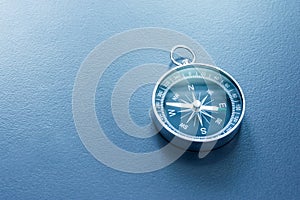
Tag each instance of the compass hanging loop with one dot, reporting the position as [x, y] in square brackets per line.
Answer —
[184, 60]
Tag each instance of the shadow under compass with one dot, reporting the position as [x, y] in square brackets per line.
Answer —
[214, 156]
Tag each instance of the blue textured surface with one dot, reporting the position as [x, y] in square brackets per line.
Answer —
[42, 46]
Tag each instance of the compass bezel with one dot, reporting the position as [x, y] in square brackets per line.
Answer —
[218, 135]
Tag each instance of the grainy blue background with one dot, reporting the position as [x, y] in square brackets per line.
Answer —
[42, 45]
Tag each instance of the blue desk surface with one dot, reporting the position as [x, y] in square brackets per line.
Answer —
[42, 46]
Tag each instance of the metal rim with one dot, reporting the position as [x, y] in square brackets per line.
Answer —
[198, 139]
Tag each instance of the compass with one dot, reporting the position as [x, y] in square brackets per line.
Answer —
[197, 103]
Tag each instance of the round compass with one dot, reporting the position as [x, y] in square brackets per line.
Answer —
[198, 103]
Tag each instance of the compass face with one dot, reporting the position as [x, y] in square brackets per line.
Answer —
[198, 102]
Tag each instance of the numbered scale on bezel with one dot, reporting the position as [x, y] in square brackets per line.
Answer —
[197, 103]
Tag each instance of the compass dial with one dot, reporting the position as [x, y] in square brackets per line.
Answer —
[198, 103]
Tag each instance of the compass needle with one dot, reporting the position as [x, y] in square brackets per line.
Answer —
[211, 108]
[179, 105]
[185, 110]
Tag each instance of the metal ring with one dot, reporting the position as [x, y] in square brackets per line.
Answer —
[182, 47]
